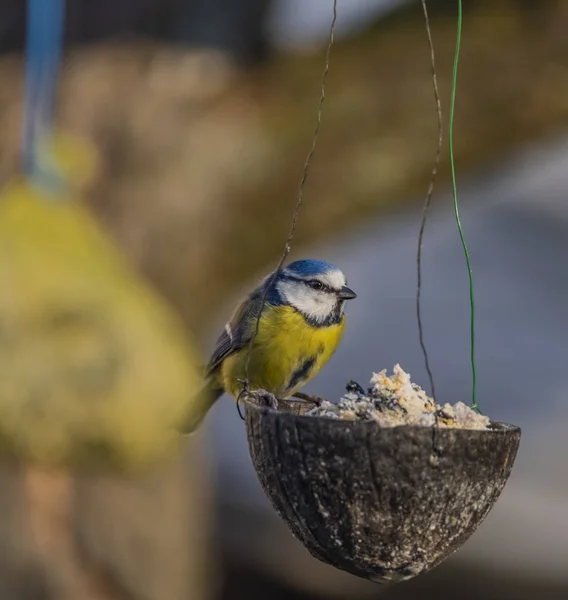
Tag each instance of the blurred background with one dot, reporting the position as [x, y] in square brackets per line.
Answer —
[203, 112]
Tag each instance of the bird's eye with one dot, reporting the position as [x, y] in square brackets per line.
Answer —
[316, 285]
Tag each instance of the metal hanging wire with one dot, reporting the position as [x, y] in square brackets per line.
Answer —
[299, 201]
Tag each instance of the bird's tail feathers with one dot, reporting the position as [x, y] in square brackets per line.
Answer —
[200, 404]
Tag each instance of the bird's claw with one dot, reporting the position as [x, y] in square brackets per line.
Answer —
[268, 399]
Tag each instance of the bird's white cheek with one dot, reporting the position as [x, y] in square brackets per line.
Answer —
[306, 303]
[316, 306]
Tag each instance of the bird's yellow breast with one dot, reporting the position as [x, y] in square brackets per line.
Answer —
[286, 354]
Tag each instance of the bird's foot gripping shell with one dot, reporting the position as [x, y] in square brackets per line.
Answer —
[263, 398]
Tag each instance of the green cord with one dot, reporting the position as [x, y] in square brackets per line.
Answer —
[474, 404]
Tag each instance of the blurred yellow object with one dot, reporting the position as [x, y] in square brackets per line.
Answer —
[93, 364]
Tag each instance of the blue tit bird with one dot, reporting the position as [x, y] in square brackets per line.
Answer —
[300, 328]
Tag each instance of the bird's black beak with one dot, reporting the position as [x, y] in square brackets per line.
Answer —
[346, 293]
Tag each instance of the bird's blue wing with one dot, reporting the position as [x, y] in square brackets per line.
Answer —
[238, 331]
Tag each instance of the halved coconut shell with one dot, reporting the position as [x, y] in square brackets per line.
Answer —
[385, 504]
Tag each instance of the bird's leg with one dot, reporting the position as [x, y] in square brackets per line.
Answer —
[317, 400]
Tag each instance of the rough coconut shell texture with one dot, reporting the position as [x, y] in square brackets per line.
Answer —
[387, 503]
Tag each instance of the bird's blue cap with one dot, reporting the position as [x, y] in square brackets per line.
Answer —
[309, 266]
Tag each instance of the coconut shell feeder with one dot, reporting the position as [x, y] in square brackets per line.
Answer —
[383, 503]
[384, 499]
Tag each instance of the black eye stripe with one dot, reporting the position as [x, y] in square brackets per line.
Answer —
[324, 288]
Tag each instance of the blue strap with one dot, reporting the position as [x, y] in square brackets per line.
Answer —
[43, 57]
